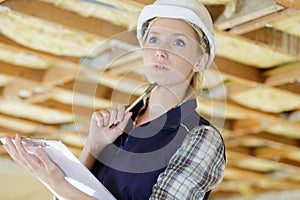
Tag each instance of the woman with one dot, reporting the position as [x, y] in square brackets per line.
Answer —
[162, 149]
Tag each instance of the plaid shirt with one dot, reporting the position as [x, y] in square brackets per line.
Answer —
[196, 168]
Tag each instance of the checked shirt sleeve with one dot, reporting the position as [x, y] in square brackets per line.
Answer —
[196, 167]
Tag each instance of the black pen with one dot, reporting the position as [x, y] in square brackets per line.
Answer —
[135, 103]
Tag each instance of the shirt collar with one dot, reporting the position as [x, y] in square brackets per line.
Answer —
[171, 120]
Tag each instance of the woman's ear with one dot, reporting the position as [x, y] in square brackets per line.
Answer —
[201, 63]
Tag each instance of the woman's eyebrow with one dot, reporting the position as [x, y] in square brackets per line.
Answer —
[174, 34]
[180, 34]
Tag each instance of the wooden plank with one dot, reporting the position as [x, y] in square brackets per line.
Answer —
[248, 10]
[247, 125]
[261, 22]
[17, 71]
[280, 41]
[244, 71]
[292, 87]
[289, 3]
[285, 74]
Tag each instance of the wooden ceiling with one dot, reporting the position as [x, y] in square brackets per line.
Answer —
[61, 59]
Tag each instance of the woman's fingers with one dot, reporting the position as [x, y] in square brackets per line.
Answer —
[12, 151]
[113, 116]
[28, 160]
[121, 112]
[105, 118]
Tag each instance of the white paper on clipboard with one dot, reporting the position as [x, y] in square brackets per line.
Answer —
[76, 173]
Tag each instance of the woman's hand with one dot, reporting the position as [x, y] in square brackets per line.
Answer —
[40, 165]
[100, 133]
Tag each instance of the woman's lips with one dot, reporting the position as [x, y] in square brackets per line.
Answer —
[161, 67]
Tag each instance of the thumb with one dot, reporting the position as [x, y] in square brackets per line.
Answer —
[125, 120]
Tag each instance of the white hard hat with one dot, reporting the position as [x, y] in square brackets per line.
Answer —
[188, 10]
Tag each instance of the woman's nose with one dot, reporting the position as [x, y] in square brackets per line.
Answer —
[161, 53]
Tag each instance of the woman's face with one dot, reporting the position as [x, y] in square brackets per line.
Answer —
[171, 52]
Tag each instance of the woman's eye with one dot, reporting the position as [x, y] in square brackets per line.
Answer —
[153, 40]
[179, 43]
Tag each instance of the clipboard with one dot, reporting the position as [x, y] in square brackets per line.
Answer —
[75, 172]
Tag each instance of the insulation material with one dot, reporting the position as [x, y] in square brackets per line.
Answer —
[79, 99]
[288, 25]
[37, 113]
[213, 78]
[119, 83]
[268, 99]
[286, 130]
[216, 2]
[219, 109]
[23, 59]
[117, 12]
[18, 125]
[46, 36]
[4, 80]
[260, 165]
[248, 52]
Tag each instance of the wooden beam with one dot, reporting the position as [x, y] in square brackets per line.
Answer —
[247, 125]
[289, 3]
[240, 70]
[285, 74]
[26, 73]
[248, 10]
[262, 21]
[277, 40]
